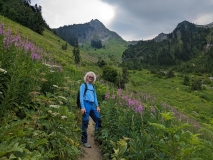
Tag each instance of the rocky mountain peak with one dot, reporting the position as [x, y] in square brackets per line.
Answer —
[93, 30]
[97, 24]
[210, 25]
[160, 37]
[185, 24]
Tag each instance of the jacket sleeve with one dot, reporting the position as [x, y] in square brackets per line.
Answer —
[95, 98]
[82, 88]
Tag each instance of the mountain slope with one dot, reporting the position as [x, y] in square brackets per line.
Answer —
[187, 42]
[51, 129]
[86, 32]
[38, 87]
[83, 34]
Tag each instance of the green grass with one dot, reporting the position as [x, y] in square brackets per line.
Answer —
[170, 91]
[111, 53]
[50, 44]
[174, 93]
[197, 105]
[29, 88]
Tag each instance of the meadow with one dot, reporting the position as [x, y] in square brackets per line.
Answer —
[171, 91]
[40, 120]
[111, 52]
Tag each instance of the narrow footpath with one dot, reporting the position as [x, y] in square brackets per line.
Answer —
[92, 153]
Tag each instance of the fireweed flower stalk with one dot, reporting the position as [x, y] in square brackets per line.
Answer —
[107, 96]
[119, 92]
[28, 46]
[7, 39]
[1, 29]
[135, 105]
[10, 40]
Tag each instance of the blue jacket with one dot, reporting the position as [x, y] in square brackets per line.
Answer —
[90, 95]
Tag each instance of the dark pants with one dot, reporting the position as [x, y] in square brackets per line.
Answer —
[93, 113]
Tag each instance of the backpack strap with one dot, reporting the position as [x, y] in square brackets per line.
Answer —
[93, 88]
[85, 90]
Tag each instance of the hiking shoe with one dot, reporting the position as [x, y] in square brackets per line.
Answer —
[87, 145]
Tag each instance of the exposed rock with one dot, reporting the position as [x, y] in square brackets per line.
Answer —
[210, 25]
[93, 30]
[160, 37]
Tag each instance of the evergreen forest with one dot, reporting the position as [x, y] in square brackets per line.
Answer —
[185, 46]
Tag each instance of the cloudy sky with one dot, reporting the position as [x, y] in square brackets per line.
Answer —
[131, 19]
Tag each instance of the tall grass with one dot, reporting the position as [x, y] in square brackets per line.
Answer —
[173, 93]
[111, 53]
[134, 129]
[38, 120]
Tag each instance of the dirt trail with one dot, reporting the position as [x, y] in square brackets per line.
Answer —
[92, 153]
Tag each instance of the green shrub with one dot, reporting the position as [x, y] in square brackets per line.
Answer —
[186, 81]
[170, 74]
[110, 74]
[196, 85]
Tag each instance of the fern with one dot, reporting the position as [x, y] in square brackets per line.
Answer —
[10, 148]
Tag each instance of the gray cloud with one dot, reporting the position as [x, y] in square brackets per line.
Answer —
[144, 19]
[133, 20]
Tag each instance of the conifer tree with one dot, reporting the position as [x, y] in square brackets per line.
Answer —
[124, 73]
[76, 54]
[64, 47]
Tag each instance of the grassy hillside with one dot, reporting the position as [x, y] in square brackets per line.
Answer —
[38, 87]
[48, 42]
[187, 49]
[111, 53]
[39, 119]
[196, 104]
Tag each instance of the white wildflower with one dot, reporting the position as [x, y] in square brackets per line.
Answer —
[55, 114]
[62, 98]
[195, 112]
[54, 106]
[52, 71]
[3, 71]
[55, 86]
[63, 117]
[54, 66]
[50, 111]
[47, 65]
[1, 92]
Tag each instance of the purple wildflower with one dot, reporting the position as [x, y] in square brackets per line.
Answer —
[2, 29]
[7, 39]
[107, 96]
[35, 56]
[119, 92]
[60, 68]
[27, 47]
[131, 102]
[139, 109]
[113, 96]
[17, 41]
[125, 97]
[153, 110]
